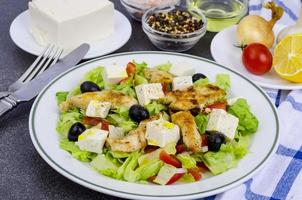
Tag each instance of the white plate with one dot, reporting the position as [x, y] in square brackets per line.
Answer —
[20, 34]
[225, 52]
[44, 115]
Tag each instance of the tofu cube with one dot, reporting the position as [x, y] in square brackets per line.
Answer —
[148, 92]
[115, 132]
[98, 109]
[92, 140]
[114, 74]
[223, 122]
[161, 132]
[182, 69]
[182, 82]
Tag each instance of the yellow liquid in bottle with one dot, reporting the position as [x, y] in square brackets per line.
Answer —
[221, 13]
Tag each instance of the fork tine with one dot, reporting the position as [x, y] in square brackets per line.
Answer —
[39, 66]
[57, 57]
[50, 58]
[32, 66]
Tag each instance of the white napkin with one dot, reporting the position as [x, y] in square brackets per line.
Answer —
[281, 178]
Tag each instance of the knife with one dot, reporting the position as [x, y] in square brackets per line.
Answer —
[34, 87]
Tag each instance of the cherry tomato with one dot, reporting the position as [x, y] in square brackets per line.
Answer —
[174, 178]
[169, 159]
[130, 68]
[195, 172]
[105, 125]
[257, 58]
[202, 167]
[92, 121]
[181, 148]
[165, 88]
[204, 140]
[220, 105]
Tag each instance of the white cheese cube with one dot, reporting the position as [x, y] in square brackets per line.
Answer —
[182, 69]
[98, 109]
[114, 74]
[223, 122]
[148, 92]
[161, 132]
[115, 132]
[69, 23]
[233, 100]
[92, 140]
[182, 82]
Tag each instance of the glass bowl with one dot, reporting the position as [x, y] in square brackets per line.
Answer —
[174, 42]
[137, 8]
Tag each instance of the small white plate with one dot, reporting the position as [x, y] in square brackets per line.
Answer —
[44, 115]
[20, 34]
[225, 52]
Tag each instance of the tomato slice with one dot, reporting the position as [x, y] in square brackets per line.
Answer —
[174, 178]
[180, 148]
[149, 149]
[165, 88]
[220, 105]
[202, 167]
[169, 159]
[130, 68]
[204, 140]
[195, 172]
[105, 125]
[91, 121]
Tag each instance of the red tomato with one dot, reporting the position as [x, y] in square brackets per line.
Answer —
[92, 121]
[165, 87]
[257, 58]
[130, 68]
[105, 125]
[204, 140]
[149, 149]
[195, 172]
[174, 178]
[220, 105]
[169, 159]
[181, 148]
[202, 167]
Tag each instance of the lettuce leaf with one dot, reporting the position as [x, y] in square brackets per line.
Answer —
[164, 67]
[223, 81]
[248, 123]
[154, 108]
[201, 82]
[201, 121]
[104, 165]
[140, 67]
[67, 119]
[150, 169]
[75, 151]
[186, 160]
[61, 97]
[186, 178]
[127, 170]
[120, 117]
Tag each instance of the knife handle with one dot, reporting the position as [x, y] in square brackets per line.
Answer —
[7, 104]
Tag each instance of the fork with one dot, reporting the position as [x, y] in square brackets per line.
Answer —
[42, 62]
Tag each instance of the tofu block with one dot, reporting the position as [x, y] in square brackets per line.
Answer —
[182, 69]
[115, 132]
[69, 23]
[161, 132]
[114, 74]
[92, 140]
[223, 122]
[98, 109]
[182, 82]
[148, 92]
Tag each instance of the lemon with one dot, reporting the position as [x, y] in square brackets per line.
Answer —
[288, 58]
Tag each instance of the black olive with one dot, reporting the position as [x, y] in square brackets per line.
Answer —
[198, 76]
[215, 140]
[75, 130]
[138, 113]
[89, 86]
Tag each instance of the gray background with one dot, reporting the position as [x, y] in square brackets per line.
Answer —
[23, 173]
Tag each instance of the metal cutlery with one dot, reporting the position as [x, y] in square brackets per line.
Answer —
[47, 58]
[32, 88]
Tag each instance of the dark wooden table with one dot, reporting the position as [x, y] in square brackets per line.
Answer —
[23, 173]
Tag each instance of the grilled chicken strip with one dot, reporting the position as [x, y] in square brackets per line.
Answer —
[134, 141]
[117, 99]
[158, 76]
[193, 97]
[188, 128]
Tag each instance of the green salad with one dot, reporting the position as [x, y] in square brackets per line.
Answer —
[162, 124]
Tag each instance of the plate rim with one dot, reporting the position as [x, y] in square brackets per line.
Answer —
[264, 85]
[11, 28]
[110, 191]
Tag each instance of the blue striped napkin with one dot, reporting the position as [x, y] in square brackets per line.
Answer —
[281, 178]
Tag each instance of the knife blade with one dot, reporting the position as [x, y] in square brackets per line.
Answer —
[34, 87]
